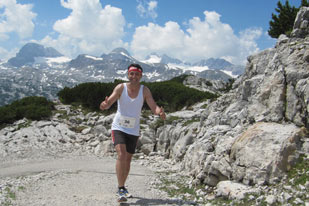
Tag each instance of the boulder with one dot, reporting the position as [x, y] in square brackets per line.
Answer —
[233, 190]
[265, 151]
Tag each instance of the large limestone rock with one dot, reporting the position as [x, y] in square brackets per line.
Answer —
[213, 86]
[233, 190]
[265, 151]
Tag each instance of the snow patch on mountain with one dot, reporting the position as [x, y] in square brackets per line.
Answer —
[230, 73]
[185, 68]
[59, 60]
[152, 74]
[153, 59]
[94, 58]
[98, 77]
[126, 55]
[121, 71]
[3, 67]
[52, 61]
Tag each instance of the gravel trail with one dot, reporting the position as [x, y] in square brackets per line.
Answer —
[79, 182]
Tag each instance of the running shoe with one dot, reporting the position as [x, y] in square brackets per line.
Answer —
[121, 195]
[127, 194]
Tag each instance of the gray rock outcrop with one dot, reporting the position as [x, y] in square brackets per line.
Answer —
[256, 132]
[301, 24]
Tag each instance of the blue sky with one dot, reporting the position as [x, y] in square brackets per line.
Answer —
[183, 29]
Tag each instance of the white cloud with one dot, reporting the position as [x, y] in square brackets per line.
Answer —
[156, 38]
[16, 18]
[6, 54]
[88, 29]
[3, 52]
[147, 9]
[247, 41]
[92, 29]
[201, 40]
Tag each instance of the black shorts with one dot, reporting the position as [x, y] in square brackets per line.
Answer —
[129, 140]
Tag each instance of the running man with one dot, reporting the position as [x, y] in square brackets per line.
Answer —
[130, 98]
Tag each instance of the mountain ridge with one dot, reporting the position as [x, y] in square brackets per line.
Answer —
[45, 71]
[28, 53]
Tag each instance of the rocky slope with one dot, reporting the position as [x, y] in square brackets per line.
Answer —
[256, 133]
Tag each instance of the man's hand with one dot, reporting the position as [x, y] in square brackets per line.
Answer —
[162, 113]
[104, 104]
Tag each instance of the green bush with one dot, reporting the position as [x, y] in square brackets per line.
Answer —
[7, 115]
[33, 108]
[89, 95]
[172, 94]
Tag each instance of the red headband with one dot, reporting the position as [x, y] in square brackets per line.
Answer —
[134, 69]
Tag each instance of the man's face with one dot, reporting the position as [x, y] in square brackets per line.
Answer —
[134, 76]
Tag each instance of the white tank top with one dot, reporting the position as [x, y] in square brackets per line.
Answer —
[127, 118]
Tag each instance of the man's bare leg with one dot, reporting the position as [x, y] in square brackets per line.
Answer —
[122, 164]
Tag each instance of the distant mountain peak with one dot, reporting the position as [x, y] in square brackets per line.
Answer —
[29, 51]
[120, 50]
[120, 54]
[214, 63]
[164, 59]
[152, 59]
[37, 50]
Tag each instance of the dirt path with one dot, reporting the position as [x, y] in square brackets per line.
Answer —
[82, 182]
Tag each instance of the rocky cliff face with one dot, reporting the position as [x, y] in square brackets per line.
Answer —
[256, 132]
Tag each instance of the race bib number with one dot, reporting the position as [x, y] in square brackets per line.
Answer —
[127, 122]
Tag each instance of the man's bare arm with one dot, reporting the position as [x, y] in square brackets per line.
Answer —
[109, 101]
[152, 104]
